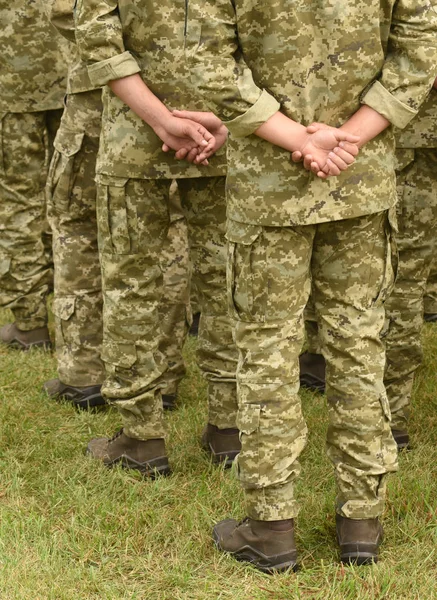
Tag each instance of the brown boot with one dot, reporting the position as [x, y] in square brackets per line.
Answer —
[147, 456]
[358, 540]
[312, 371]
[222, 444]
[267, 545]
[82, 397]
[402, 439]
[24, 340]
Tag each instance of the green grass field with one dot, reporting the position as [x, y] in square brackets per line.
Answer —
[72, 530]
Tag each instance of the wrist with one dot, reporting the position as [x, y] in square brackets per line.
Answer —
[159, 120]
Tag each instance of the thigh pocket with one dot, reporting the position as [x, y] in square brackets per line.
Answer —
[247, 294]
[65, 179]
[248, 462]
[117, 219]
[63, 308]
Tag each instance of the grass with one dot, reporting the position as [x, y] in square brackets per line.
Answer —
[72, 530]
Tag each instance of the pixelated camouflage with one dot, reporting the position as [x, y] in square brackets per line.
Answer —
[430, 299]
[26, 269]
[417, 218]
[33, 60]
[317, 62]
[115, 45]
[270, 281]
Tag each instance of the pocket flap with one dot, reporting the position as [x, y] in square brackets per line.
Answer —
[67, 142]
[242, 233]
[120, 354]
[64, 307]
[248, 418]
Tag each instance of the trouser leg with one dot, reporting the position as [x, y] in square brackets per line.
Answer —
[174, 317]
[352, 275]
[26, 274]
[133, 223]
[269, 285]
[417, 219]
[71, 197]
[204, 204]
[430, 299]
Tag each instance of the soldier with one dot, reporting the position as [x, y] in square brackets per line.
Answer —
[417, 218]
[33, 69]
[134, 178]
[313, 61]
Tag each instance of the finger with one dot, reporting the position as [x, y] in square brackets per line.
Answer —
[181, 154]
[315, 167]
[201, 136]
[333, 169]
[166, 148]
[192, 155]
[338, 161]
[348, 158]
[346, 137]
[296, 156]
[315, 127]
[307, 162]
[348, 147]
[322, 175]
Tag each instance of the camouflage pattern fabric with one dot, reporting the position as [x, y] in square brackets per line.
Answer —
[417, 217]
[174, 309]
[430, 299]
[316, 62]
[71, 192]
[133, 216]
[115, 45]
[270, 272]
[33, 60]
[26, 273]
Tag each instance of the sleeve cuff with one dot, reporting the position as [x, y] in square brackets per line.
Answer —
[381, 100]
[115, 67]
[260, 112]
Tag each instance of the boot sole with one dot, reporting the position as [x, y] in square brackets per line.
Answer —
[359, 558]
[311, 383]
[92, 401]
[267, 564]
[17, 345]
[430, 317]
[158, 467]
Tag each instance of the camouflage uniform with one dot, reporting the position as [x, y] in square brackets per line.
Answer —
[134, 180]
[417, 218]
[72, 211]
[33, 68]
[314, 62]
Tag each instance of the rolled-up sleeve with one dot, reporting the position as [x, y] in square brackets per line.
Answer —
[99, 37]
[218, 69]
[411, 64]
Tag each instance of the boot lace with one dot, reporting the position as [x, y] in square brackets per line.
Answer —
[115, 436]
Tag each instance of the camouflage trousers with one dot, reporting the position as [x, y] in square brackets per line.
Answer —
[134, 220]
[417, 217]
[71, 201]
[271, 271]
[430, 299]
[26, 273]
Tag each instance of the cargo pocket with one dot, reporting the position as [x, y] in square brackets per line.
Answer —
[63, 308]
[248, 422]
[119, 354]
[113, 217]
[63, 184]
[391, 258]
[247, 298]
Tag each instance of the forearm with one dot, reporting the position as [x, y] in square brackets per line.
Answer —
[282, 131]
[366, 123]
[135, 93]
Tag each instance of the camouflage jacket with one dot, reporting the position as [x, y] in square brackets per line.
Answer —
[422, 131]
[61, 16]
[121, 38]
[33, 58]
[316, 61]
